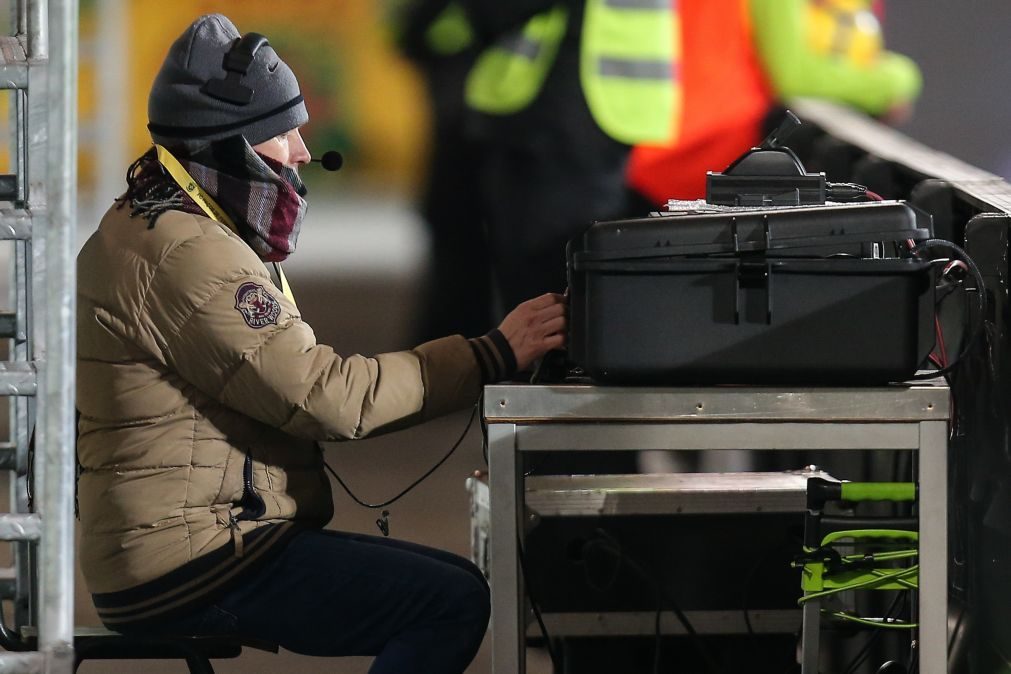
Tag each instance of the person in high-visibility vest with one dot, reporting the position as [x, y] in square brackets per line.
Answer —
[437, 38]
[741, 57]
[559, 97]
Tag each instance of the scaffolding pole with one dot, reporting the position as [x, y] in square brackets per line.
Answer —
[55, 433]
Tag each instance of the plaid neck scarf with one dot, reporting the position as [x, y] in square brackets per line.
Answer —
[262, 196]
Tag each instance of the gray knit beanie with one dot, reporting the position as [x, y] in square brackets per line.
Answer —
[201, 93]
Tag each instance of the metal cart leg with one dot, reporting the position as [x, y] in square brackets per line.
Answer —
[932, 463]
[508, 622]
[811, 631]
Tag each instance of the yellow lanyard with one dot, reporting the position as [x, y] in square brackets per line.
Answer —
[208, 205]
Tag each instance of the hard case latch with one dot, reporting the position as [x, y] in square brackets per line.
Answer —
[753, 273]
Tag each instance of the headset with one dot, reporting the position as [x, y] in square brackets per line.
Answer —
[230, 88]
[238, 58]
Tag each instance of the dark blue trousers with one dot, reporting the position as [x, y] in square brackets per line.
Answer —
[331, 593]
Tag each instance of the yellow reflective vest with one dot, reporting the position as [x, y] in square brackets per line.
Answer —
[450, 33]
[628, 67]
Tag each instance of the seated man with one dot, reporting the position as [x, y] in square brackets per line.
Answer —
[203, 394]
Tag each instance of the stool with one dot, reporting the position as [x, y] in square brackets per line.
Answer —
[97, 643]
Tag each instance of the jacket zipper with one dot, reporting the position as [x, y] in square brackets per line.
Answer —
[237, 543]
[247, 493]
[252, 504]
[247, 476]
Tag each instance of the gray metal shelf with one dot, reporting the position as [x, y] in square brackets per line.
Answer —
[668, 494]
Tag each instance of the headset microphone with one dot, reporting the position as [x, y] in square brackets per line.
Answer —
[331, 160]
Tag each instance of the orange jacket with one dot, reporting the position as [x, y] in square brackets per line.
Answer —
[726, 97]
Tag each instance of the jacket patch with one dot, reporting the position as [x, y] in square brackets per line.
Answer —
[257, 306]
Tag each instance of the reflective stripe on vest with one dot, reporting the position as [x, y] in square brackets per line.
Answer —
[450, 32]
[508, 75]
[640, 4]
[627, 67]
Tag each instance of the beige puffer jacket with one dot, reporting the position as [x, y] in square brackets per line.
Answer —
[202, 395]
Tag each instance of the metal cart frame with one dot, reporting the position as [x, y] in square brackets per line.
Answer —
[529, 418]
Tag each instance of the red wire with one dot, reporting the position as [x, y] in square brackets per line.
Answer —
[942, 350]
[873, 196]
[952, 264]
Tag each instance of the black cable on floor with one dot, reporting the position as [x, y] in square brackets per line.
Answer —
[555, 662]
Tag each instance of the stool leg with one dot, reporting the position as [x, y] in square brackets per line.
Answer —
[810, 632]
[198, 664]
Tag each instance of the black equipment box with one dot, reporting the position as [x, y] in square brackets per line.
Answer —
[715, 294]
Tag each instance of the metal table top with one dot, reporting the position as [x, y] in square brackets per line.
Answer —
[532, 403]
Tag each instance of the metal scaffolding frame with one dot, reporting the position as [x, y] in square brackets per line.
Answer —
[38, 65]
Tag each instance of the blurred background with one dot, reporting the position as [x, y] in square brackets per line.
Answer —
[363, 235]
[364, 254]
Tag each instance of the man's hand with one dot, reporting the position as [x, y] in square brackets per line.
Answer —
[536, 327]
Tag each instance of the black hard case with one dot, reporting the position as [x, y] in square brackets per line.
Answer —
[752, 296]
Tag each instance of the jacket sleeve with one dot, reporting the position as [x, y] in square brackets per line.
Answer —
[795, 70]
[226, 329]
